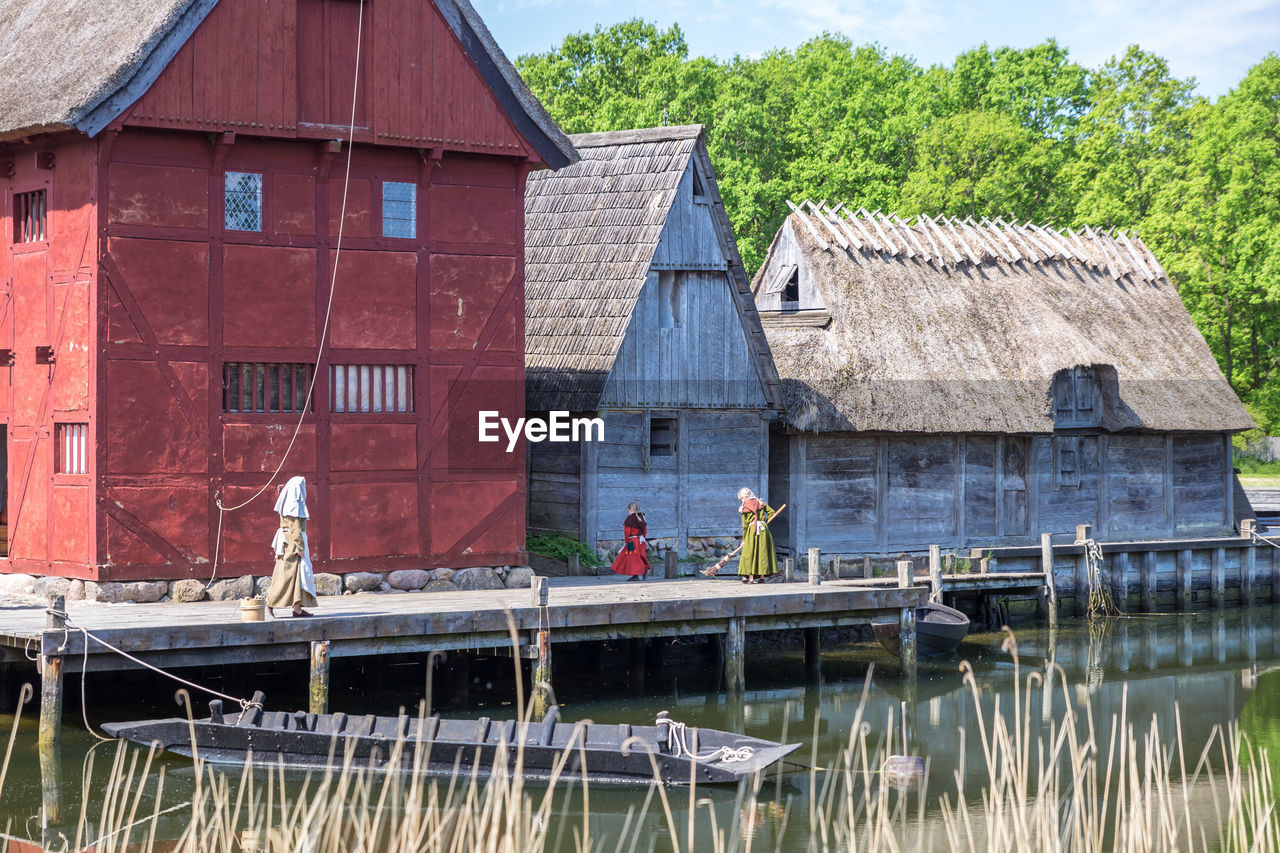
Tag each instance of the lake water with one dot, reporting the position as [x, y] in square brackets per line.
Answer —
[1194, 672]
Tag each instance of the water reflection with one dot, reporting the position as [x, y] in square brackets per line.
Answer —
[1214, 668]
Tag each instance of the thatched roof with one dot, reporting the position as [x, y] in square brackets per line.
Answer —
[79, 64]
[956, 326]
[591, 231]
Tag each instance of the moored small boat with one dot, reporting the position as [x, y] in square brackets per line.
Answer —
[676, 754]
[939, 630]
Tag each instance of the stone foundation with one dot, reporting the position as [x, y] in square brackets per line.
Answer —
[232, 589]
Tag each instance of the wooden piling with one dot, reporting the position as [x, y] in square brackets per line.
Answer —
[812, 655]
[815, 566]
[735, 638]
[1120, 581]
[542, 694]
[50, 733]
[1248, 574]
[1148, 581]
[907, 629]
[1217, 576]
[788, 569]
[670, 567]
[1050, 583]
[866, 567]
[635, 665]
[575, 567]
[540, 591]
[1183, 583]
[935, 573]
[319, 686]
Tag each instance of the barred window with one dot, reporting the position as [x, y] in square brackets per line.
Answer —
[662, 437]
[243, 201]
[265, 387]
[30, 211]
[399, 209]
[73, 448]
[371, 387]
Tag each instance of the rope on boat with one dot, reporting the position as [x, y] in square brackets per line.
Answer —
[678, 743]
[245, 704]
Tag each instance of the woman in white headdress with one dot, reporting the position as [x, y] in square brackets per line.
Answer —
[293, 584]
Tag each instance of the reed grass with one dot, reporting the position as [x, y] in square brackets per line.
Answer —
[1045, 786]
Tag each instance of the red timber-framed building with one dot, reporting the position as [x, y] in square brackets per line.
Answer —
[173, 173]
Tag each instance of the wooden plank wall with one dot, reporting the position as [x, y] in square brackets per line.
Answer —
[555, 487]
[689, 240]
[787, 252]
[702, 361]
[858, 493]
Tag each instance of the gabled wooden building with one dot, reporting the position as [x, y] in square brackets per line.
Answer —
[973, 384]
[639, 309]
[174, 174]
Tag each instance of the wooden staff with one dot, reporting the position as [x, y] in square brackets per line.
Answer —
[712, 571]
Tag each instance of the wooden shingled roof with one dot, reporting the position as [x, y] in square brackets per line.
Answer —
[591, 231]
[945, 325]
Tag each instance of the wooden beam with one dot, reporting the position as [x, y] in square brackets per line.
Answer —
[812, 655]
[1050, 583]
[1217, 575]
[1148, 582]
[1182, 598]
[735, 680]
[318, 688]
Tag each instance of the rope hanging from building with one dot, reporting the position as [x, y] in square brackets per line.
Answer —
[328, 313]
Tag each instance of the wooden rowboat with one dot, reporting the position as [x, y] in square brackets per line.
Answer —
[601, 753]
[939, 630]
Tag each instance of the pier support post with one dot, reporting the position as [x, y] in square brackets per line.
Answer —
[318, 691]
[51, 677]
[1217, 575]
[670, 569]
[1120, 581]
[812, 655]
[1248, 570]
[735, 641]
[1084, 533]
[1148, 581]
[1050, 583]
[1184, 580]
[815, 566]
[788, 569]
[635, 665]
[542, 676]
[935, 573]
[907, 634]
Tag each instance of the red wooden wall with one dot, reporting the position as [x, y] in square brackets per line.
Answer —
[45, 296]
[284, 68]
[145, 295]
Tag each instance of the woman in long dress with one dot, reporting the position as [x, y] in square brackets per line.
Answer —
[758, 559]
[293, 584]
[633, 559]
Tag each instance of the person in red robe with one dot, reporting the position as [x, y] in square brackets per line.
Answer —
[633, 559]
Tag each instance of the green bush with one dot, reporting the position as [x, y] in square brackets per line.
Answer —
[557, 546]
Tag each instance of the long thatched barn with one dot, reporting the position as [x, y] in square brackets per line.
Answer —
[972, 384]
[638, 308]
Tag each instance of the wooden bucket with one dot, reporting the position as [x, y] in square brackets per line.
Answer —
[252, 609]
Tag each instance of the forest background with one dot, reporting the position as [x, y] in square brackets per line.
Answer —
[1025, 134]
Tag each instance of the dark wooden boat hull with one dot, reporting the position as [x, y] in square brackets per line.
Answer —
[939, 630]
[611, 754]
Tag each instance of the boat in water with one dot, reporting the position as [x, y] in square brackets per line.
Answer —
[668, 750]
[939, 630]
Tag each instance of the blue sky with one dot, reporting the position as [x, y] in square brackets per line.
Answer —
[1215, 41]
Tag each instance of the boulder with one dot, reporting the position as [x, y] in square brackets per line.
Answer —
[108, 592]
[143, 592]
[327, 584]
[187, 590]
[362, 581]
[478, 578]
[441, 586]
[18, 584]
[442, 574]
[521, 577]
[261, 585]
[232, 589]
[75, 591]
[409, 579]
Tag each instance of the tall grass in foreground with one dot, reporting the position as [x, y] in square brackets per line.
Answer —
[1046, 787]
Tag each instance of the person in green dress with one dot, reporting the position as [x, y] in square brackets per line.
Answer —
[758, 560]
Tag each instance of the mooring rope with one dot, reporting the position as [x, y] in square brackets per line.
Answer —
[1255, 536]
[678, 743]
[245, 704]
[324, 334]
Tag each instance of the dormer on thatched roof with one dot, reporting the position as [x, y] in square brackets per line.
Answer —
[79, 64]
[592, 237]
[948, 326]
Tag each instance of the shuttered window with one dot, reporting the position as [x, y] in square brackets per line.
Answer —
[371, 388]
[73, 448]
[30, 213]
[662, 437]
[265, 387]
